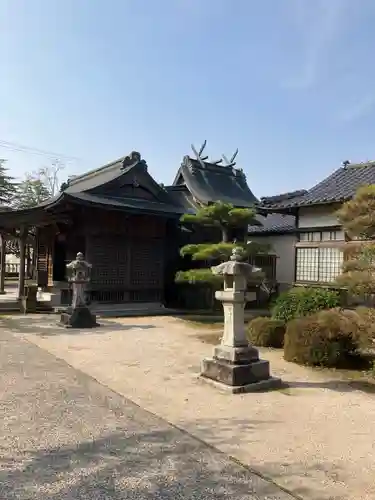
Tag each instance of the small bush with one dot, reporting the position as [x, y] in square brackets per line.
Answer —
[266, 332]
[367, 314]
[302, 301]
[327, 338]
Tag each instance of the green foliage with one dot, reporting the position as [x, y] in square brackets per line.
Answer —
[266, 332]
[327, 338]
[358, 214]
[358, 219]
[31, 192]
[302, 301]
[208, 251]
[221, 251]
[223, 216]
[358, 272]
[7, 185]
[63, 186]
[367, 314]
[198, 276]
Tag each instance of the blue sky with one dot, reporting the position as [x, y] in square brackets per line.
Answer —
[288, 82]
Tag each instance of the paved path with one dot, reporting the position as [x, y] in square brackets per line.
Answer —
[65, 436]
[316, 439]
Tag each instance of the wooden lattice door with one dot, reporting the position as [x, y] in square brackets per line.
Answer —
[147, 270]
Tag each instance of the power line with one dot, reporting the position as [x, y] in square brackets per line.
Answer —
[14, 146]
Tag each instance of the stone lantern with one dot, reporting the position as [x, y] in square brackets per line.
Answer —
[78, 315]
[235, 365]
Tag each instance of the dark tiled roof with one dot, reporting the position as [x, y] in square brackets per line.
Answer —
[208, 183]
[108, 187]
[274, 223]
[181, 197]
[340, 186]
[128, 204]
[279, 198]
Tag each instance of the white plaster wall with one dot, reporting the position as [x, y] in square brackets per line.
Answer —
[318, 216]
[283, 247]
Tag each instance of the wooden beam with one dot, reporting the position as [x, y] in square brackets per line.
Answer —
[2, 263]
[21, 281]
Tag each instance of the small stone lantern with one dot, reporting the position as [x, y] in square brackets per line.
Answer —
[235, 364]
[78, 315]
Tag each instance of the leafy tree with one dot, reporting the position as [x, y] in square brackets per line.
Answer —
[7, 185]
[358, 215]
[31, 192]
[63, 186]
[226, 217]
[222, 215]
[358, 219]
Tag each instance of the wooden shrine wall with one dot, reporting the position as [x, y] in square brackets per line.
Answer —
[44, 264]
[127, 255]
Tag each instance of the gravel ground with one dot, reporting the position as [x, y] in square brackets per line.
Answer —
[316, 439]
[65, 436]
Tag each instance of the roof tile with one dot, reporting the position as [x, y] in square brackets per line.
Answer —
[274, 223]
[340, 186]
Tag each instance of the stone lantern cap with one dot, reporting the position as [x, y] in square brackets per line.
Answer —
[235, 266]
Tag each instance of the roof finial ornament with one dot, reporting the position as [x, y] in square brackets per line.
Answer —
[198, 155]
[231, 162]
[345, 163]
[132, 159]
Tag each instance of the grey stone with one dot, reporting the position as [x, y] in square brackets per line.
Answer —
[236, 354]
[80, 317]
[235, 374]
[235, 363]
[271, 383]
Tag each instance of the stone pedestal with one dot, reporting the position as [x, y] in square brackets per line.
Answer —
[79, 317]
[235, 365]
[238, 370]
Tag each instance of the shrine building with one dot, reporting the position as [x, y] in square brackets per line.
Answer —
[126, 224]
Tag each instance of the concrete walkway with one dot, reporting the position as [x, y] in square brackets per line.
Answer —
[316, 439]
[65, 436]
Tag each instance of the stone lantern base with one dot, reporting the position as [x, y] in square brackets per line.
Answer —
[79, 317]
[238, 370]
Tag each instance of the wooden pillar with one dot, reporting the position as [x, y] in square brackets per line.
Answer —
[22, 242]
[2, 263]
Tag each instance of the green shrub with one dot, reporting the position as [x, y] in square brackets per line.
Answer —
[302, 301]
[327, 338]
[266, 332]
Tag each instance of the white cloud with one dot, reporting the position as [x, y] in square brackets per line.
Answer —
[318, 25]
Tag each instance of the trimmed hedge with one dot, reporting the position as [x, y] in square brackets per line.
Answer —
[367, 314]
[266, 332]
[302, 301]
[328, 338]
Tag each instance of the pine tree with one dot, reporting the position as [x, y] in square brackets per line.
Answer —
[31, 192]
[357, 217]
[7, 186]
[225, 217]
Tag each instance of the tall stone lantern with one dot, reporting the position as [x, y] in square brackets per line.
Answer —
[235, 365]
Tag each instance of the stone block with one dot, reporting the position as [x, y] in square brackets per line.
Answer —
[236, 355]
[235, 375]
[271, 383]
[80, 317]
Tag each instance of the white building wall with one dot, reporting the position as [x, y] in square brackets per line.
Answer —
[318, 216]
[283, 246]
